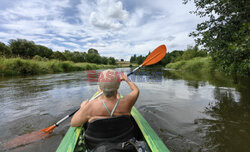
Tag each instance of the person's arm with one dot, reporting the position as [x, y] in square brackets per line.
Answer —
[81, 116]
[133, 95]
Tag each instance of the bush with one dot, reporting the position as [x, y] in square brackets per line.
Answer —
[199, 64]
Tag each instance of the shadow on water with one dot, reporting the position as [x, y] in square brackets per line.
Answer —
[228, 126]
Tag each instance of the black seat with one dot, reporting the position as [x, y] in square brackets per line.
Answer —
[109, 130]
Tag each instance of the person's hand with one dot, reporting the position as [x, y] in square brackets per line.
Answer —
[123, 77]
[84, 103]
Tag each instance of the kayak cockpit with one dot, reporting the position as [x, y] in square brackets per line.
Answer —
[108, 130]
[111, 132]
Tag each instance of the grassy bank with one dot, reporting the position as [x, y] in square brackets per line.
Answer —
[198, 64]
[126, 64]
[18, 66]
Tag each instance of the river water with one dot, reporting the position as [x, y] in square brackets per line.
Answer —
[190, 112]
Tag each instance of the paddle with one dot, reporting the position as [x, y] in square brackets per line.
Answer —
[152, 58]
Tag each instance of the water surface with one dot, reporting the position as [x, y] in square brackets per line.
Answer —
[190, 112]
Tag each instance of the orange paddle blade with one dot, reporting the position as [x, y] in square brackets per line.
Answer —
[28, 138]
[156, 55]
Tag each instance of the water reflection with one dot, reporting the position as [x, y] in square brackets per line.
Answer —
[189, 111]
[229, 126]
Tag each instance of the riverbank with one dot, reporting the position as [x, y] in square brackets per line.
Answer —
[18, 66]
[198, 64]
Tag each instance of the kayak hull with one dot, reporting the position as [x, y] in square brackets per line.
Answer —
[155, 144]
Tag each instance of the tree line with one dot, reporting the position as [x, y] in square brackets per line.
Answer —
[28, 50]
[174, 56]
[225, 33]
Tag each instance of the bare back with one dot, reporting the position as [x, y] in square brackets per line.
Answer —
[98, 110]
[95, 109]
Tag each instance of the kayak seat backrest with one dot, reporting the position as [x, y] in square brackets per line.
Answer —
[109, 130]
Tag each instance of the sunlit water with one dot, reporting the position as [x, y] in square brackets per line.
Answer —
[189, 112]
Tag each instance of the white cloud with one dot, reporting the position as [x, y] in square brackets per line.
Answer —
[106, 25]
[109, 14]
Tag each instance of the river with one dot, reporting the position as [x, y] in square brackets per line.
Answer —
[190, 112]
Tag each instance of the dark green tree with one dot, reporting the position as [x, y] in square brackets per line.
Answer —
[58, 55]
[23, 48]
[43, 51]
[111, 61]
[225, 35]
[68, 55]
[5, 50]
[140, 59]
[104, 60]
[93, 58]
[133, 59]
[192, 52]
[91, 50]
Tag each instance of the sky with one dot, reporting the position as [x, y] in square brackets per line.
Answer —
[118, 28]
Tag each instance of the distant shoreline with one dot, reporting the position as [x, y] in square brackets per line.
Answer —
[23, 67]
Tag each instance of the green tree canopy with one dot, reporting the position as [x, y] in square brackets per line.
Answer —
[43, 51]
[225, 35]
[5, 50]
[23, 48]
[91, 50]
[58, 55]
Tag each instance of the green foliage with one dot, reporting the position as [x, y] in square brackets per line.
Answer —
[28, 49]
[93, 58]
[140, 59]
[172, 57]
[137, 59]
[58, 55]
[43, 51]
[104, 60]
[198, 64]
[23, 48]
[39, 58]
[225, 34]
[94, 51]
[193, 52]
[18, 66]
[111, 61]
[5, 50]
[133, 59]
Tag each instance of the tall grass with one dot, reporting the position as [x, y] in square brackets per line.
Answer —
[198, 64]
[18, 66]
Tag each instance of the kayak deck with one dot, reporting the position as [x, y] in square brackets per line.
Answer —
[145, 132]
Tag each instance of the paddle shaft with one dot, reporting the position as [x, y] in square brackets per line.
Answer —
[99, 94]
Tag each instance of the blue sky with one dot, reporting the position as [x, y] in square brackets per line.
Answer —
[115, 28]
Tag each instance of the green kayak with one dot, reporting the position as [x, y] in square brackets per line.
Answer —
[73, 140]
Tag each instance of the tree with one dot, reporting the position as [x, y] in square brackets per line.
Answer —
[193, 52]
[68, 55]
[23, 48]
[58, 55]
[111, 61]
[104, 60]
[43, 51]
[4, 50]
[91, 50]
[93, 58]
[122, 60]
[225, 35]
[133, 59]
[140, 59]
